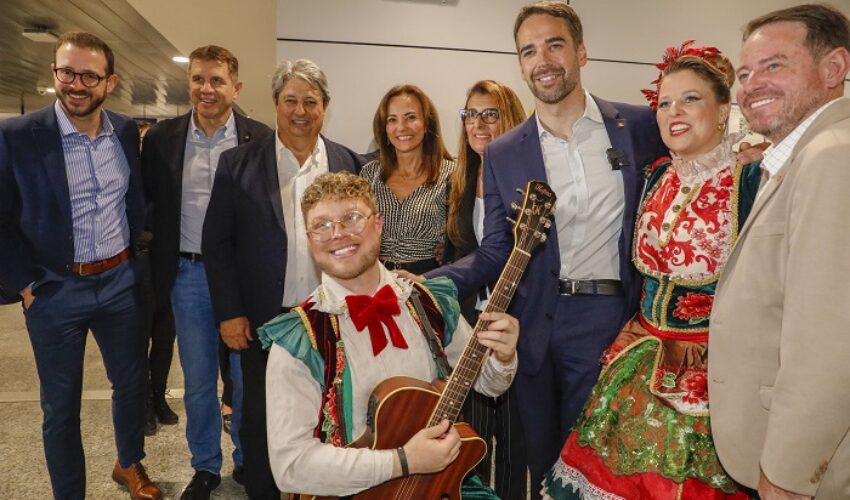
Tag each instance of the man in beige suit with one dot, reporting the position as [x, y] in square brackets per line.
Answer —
[779, 357]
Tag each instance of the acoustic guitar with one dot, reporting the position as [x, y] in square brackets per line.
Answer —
[399, 407]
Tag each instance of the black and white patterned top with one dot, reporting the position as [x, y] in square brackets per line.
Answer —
[415, 225]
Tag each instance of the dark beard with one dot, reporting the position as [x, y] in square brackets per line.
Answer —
[94, 103]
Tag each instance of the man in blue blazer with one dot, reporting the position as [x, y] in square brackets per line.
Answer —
[71, 209]
[254, 244]
[580, 288]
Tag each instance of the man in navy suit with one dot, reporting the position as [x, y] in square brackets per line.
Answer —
[71, 208]
[581, 286]
[254, 243]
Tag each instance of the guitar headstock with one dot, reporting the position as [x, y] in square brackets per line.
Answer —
[532, 218]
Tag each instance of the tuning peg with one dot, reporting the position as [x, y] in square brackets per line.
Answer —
[510, 220]
[520, 191]
[515, 206]
[547, 223]
[542, 237]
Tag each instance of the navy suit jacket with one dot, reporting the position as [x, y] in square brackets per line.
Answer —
[510, 162]
[163, 155]
[244, 239]
[36, 228]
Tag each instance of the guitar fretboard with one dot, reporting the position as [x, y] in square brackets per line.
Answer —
[474, 354]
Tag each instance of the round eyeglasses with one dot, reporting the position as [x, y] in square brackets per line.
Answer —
[67, 76]
[351, 223]
[489, 115]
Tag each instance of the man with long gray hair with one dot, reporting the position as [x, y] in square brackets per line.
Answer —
[254, 243]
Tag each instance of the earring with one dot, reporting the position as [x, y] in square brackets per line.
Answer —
[721, 126]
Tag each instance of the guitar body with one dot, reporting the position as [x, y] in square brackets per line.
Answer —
[399, 408]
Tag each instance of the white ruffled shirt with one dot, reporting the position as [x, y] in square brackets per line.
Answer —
[301, 463]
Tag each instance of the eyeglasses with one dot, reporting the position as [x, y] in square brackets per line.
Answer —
[67, 76]
[351, 223]
[489, 115]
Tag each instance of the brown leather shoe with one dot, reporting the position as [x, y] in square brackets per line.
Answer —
[137, 481]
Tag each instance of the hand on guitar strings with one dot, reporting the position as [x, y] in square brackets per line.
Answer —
[500, 335]
[430, 450]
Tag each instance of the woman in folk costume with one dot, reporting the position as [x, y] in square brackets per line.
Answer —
[361, 326]
[644, 432]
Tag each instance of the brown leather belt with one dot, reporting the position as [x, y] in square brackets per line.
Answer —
[99, 266]
[590, 287]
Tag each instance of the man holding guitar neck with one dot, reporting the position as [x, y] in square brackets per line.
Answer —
[360, 327]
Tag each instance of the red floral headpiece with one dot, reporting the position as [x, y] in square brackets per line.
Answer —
[673, 53]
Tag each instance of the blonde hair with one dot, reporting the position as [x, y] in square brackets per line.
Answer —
[337, 186]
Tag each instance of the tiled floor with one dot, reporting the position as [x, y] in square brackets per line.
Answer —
[23, 473]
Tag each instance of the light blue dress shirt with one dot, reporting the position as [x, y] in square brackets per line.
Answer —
[98, 178]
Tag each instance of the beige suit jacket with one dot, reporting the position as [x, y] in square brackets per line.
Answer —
[779, 347]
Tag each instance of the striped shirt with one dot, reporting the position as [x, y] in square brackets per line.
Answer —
[98, 178]
[414, 226]
[777, 155]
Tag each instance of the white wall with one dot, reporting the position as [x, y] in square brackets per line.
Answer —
[246, 28]
[627, 31]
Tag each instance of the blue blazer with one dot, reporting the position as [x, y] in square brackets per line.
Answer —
[36, 230]
[510, 162]
[244, 240]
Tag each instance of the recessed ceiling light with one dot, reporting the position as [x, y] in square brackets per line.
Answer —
[40, 34]
[50, 90]
[180, 59]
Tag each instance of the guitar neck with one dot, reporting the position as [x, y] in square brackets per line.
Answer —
[474, 355]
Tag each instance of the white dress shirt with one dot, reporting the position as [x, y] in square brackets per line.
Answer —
[302, 275]
[302, 463]
[589, 211]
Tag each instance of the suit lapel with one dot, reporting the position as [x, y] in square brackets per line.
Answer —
[769, 189]
[531, 154]
[177, 151]
[49, 140]
[243, 135]
[268, 161]
[531, 167]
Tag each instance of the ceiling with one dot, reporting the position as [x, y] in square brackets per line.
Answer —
[150, 83]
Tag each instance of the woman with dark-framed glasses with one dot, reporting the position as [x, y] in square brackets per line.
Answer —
[491, 109]
[410, 179]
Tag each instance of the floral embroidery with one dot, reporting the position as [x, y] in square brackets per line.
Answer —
[693, 307]
[696, 386]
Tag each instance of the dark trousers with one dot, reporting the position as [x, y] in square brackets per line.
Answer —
[158, 323]
[259, 482]
[497, 418]
[551, 400]
[58, 322]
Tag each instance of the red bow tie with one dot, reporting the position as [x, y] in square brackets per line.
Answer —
[372, 311]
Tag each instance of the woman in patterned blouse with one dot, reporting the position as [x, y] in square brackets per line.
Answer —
[410, 179]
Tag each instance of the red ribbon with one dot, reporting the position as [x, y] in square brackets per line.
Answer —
[372, 311]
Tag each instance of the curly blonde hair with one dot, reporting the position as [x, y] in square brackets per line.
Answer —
[337, 186]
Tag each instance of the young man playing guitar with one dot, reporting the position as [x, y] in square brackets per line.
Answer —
[360, 327]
